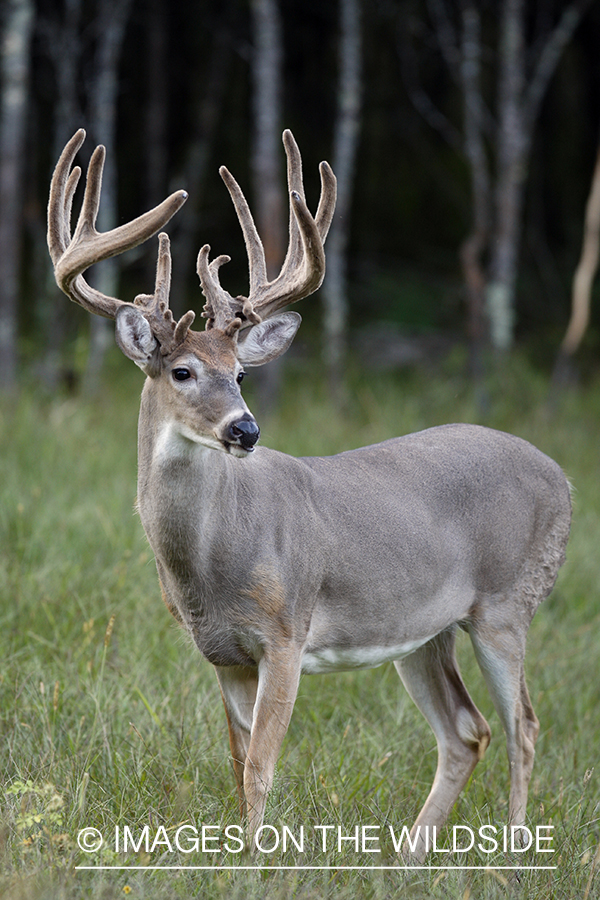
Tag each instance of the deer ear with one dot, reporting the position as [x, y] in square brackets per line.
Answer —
[267, 340]
[134, 337]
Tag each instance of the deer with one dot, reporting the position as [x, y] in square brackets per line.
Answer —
[278, 566]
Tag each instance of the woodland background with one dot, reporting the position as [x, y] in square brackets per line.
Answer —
[464, 136]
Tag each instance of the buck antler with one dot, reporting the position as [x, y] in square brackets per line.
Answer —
[303, 269]
[72, 256]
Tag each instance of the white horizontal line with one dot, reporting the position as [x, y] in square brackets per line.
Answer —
[329, 868]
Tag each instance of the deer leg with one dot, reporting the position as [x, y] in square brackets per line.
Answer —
[500, 653]
[278, 678]
[238, 690]
[433, 681]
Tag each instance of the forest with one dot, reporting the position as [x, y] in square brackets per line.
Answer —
[464, 137]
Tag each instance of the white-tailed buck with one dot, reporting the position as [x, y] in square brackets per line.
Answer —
[278, 566]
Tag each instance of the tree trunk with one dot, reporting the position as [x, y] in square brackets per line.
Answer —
[112, 19]
[582, 281]
[14, 73]
[519, 103]
[185, 246]
[266, 159]
[510, 177]
[473, 247]
[519, 97]
[156, 114]
[64, 46]
[347, 128]
[266, 152]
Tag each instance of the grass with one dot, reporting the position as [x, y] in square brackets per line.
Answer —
[108, 716]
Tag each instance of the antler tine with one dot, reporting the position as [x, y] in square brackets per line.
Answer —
[62, 189]
[71, 257]
[295, 183]
[303, 269]
[254, 248]
[304, 265]
[209, 272]
[326, 207]
[325, 210]
[162, 284]
[155, 307]
[221, 310]
[72, 183]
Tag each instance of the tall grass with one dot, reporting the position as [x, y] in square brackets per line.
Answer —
[109, 717]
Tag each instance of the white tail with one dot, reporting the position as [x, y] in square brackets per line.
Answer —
[278, 566]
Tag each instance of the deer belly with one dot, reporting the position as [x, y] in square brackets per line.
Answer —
[338, 659]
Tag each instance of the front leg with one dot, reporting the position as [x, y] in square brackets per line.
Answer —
[238, 690]
[278, 679]
[259, 708]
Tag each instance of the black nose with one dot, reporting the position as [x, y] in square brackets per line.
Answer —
[244, 432]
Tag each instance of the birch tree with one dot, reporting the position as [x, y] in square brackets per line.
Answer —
[345, 144]
[498, 164]
[14, 71]
[583, 280]
[266, 150]
[111, 20]
[267, 79]
[208, 106]
[473, 247]
[60, 33]
[519, 102]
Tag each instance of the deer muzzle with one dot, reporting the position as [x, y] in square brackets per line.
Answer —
[243, 432]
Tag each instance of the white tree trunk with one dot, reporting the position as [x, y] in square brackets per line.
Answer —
[112, 19]
[208, 108]
[266, 152]
[14, 72]
[473, 247]
[267, 167]
[586, 269]
[347, 129]
[523, 74]
[519, 103]
[64, 46]
[510, 177]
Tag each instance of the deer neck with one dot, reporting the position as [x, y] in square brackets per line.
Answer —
[182, 485]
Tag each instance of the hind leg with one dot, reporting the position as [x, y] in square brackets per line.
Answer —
[500, 652]
[433, 681]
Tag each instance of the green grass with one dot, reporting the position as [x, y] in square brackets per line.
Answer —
[109, 717]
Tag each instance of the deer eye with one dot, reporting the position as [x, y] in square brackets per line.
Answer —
[181, 374]
[240, 377]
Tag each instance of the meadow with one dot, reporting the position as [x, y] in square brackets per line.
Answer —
[110, 718]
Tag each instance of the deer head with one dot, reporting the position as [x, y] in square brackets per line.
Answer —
[240, 331]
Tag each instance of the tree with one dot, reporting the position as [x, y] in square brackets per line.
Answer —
[14, 72]
[207, 111]
[111, 19]
[347, 128]
[583, 280]
[266, 151]
[473, 247]
[61, 36]
[497, 152]
[267, 77]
